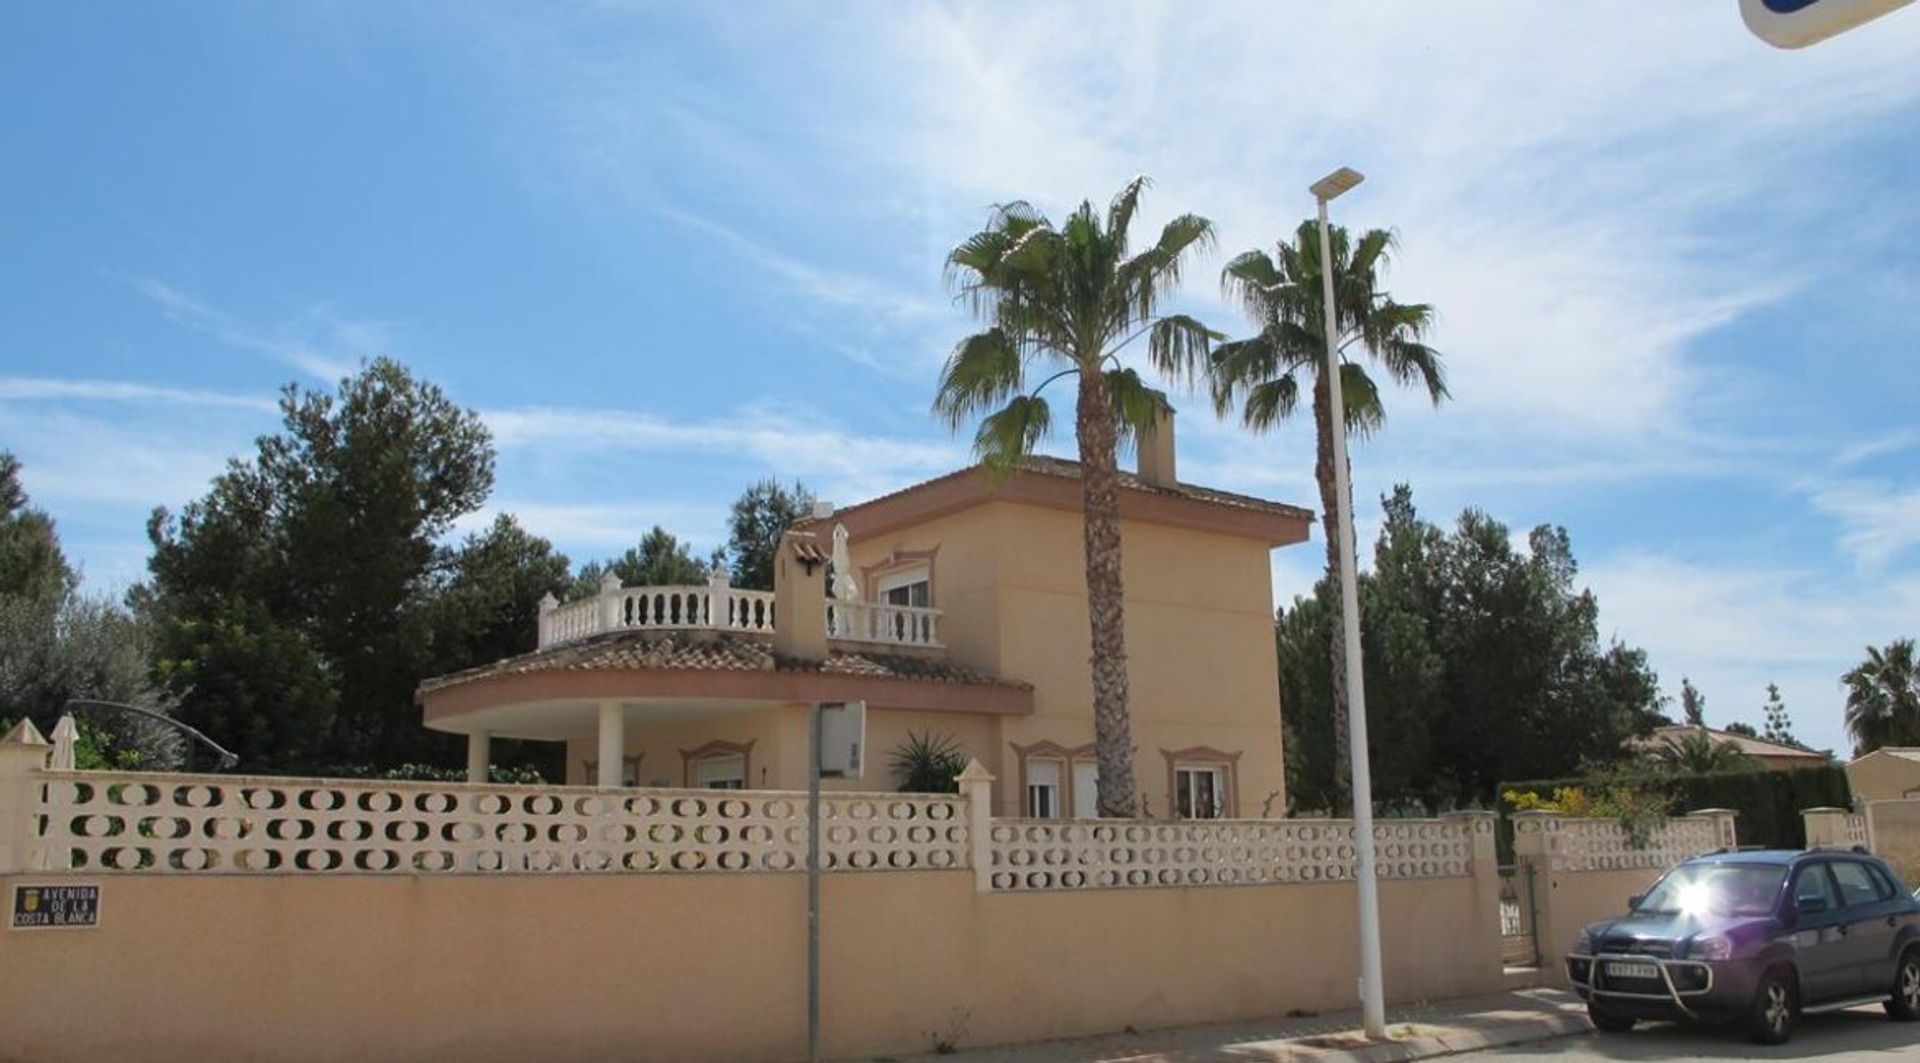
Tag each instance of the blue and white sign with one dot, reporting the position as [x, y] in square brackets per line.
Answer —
[1798, 23]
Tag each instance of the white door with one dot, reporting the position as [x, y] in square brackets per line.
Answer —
[1086, 794]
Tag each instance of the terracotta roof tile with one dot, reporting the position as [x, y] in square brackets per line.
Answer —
[714, 651]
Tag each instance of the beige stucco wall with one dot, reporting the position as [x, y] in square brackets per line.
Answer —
[1011, 580]
[1896, 835]
[1881, 776]
[1569, 900]
[691, 967]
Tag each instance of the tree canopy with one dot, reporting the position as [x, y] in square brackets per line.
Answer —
[296, 602]
[761, 514]
[1883, 698]
[1483, 663]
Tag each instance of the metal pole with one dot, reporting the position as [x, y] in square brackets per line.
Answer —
[1373, 1010]
[813, 888]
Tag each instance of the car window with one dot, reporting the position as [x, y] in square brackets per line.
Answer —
[1883, 883]
[1813, 888]
[1855, 884]
[1729, 889]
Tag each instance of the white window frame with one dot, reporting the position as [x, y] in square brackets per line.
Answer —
[726, 771]
[1090, 807]
[1043, 797]
[904, 579]
[1185, 780]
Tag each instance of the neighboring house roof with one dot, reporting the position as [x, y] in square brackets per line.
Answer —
[1753, 747]
[715, 652]
[1055, 483]
[1908, 753]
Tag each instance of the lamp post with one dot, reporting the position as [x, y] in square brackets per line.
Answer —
[1373, 1011]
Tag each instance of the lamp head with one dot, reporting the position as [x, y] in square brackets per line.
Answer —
[1339, 181]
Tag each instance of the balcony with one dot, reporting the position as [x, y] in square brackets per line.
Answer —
[718, 606]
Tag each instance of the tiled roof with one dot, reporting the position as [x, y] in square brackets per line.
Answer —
[1753, 747]
[715, 652]
[1064, 468]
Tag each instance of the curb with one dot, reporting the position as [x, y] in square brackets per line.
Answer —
[1447, 1042]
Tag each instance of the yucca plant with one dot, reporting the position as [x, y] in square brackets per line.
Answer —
[927, 763]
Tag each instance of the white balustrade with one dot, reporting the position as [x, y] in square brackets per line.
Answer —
[1038, 854]
[209, 824]
[900, 625]
[718, 606]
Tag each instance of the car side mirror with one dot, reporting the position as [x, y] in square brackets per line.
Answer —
[1633, 902]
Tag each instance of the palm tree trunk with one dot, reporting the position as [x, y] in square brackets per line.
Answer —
[1329, 523]
[1100, 487]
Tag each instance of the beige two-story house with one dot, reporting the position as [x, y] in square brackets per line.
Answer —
[954, 608]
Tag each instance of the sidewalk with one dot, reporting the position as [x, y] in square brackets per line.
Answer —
[1416, 1031]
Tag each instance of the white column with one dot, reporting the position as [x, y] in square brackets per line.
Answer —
[976, 787]
[613, 742]
[479, 748]
[22, 753]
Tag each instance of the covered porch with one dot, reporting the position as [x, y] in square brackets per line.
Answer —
[714, 709]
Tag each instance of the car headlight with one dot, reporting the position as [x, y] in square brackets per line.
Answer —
[1711, 947]
[1584, 946]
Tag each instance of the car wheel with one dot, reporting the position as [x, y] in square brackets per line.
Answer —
[1608, 1021]
[1770, 1019]
[1905, 1003]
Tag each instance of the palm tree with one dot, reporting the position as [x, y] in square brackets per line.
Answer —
[1883, 698]
[1067, 299]
[1262, 374]
[1696, 753]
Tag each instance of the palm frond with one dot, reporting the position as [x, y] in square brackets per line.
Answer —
[1134, 402]
[1360, 396]
[1125, 202]
[1010, 434]
[1270, 402]
[1177, 346]
[984, 370]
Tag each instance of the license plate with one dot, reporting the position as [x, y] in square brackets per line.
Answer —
[1633, 970]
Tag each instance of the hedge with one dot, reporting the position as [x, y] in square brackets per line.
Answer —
[1768, 803]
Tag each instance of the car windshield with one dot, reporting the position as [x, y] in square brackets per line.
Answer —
[1718, 889]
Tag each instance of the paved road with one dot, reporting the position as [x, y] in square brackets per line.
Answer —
[1857, 1036]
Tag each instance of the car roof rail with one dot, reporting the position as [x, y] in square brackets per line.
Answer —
[1723, 850]
[1860, 849]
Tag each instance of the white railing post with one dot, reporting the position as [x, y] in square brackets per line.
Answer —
[976, 786]
[719, 589]
[609, 612]
[548, 603]
[23, 753]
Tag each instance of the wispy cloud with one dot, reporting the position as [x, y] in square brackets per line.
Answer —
[317, 341]
[1878, 520]
[789, 441]
[36, 389]
[839, 288]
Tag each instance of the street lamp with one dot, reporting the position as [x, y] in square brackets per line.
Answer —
[1373, 1010]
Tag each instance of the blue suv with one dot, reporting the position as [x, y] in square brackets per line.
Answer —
[1758, 936]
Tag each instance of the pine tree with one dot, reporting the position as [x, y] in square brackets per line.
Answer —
[1693, 703]
[1779, 724]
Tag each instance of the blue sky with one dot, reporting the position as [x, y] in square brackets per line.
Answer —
[667, 250]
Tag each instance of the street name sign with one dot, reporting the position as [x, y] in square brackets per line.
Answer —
[55, 907]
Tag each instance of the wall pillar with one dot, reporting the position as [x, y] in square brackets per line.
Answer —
[23, 752]
[548, 603]
[1723, 821]
[1825, 826]
[1536, 849]
[976, 789]
[479, 755]
[613, 743]
[1483, 864]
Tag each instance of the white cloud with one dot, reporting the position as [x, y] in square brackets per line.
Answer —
[1878, 520]
[839, 463]
[317, 341]
[40, 389]
[1734, 628]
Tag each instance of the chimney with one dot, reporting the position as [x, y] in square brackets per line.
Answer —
[1155, 448]
[800, 598]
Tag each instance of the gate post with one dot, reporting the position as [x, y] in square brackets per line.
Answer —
[976, 787]
[23, 753]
